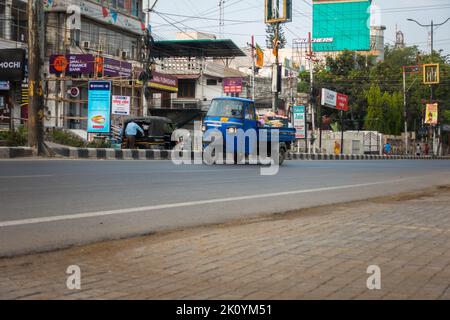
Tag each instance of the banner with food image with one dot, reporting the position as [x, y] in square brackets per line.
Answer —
[99, 107]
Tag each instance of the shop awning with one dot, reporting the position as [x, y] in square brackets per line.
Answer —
[207, 48]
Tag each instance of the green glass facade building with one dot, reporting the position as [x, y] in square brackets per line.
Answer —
[347, 22]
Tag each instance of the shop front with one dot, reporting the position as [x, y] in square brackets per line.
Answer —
[162, 89]
[12, 73]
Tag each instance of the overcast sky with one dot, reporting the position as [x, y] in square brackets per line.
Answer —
[246, 17]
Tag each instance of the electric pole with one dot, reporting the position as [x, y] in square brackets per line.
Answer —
[36, 40]
[311, 91]
[276, 69]
[147, 75]
[432, 26]
[404, 111]
[252, 47]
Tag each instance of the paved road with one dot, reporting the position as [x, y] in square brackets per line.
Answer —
[52, 204]
[312, 254]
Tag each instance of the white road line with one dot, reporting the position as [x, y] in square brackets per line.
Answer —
[29, 176]
[179, 205]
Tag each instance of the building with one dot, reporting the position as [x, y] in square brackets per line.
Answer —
[86, 40]
[13, 35]
[202, 65]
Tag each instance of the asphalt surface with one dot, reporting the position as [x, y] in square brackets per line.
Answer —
[50, 204]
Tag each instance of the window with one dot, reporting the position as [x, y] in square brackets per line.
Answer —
[225, 108]
[109, 41]
[250, 112]
[211, 82]
[186, 88]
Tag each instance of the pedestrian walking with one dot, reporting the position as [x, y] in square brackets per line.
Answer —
[427, 149]
[131, 132]
[337, 148]
[387, 148]
[418, 150]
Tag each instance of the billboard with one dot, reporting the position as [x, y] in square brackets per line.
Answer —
[431, 73]
[300, 122]
[431, 115]
[71, 63]
[346, 22]
[278, 11]
[99, 107]
[232, 85]
[12, 64]
[121, 105]
[334, 100]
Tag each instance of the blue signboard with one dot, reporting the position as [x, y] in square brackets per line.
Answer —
[99, 107]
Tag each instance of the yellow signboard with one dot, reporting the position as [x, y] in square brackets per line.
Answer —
[276, 12]
[431, 73]
[431, 115]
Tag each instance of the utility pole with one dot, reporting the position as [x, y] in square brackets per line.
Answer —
[36, 40]
[275, 70]
[404, 111]
[147, 74]
[253, 67]
[432, 25]
[222, 18]
[311, 92]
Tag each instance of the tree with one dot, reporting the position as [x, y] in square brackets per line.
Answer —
[375, 100]
[365, 82]
[270, 35]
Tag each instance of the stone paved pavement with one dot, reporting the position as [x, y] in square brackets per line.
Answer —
[320, 253]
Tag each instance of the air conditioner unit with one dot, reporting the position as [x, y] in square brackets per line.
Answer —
[86, 45]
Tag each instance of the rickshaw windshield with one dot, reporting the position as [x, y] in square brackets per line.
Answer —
[226, 108]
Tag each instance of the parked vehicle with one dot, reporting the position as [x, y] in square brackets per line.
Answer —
[157, 133]
[229, 114]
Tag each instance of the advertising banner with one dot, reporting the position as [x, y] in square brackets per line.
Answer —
[12, 64]
[334, 100]
[232, 85]
[329, 98]
[120, 105]
[71, 63]
[341, 102]
[117, 68]
[431, 115]
[163, 82]
[300, 122]
[99, 12]
[99, 107]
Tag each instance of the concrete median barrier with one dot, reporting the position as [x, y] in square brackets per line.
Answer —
[15, 152]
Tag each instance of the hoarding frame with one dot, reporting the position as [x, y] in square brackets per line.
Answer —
[287, 12]
[98, 106]
[299, 121]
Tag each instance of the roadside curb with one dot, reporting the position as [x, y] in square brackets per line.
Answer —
[112, 154]
[323, 156]
[155, 154]
[15, 152]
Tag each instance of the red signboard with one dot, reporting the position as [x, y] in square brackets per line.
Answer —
[342, 102]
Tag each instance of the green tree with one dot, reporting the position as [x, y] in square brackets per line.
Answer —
[270, 35]
[375, 101]
[358, 76]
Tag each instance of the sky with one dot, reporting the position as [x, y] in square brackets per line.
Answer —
[243, 18]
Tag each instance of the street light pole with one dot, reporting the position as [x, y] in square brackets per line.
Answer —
[432, 25]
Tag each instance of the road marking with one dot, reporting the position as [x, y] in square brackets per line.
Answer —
[29, 176]
[180, 205]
